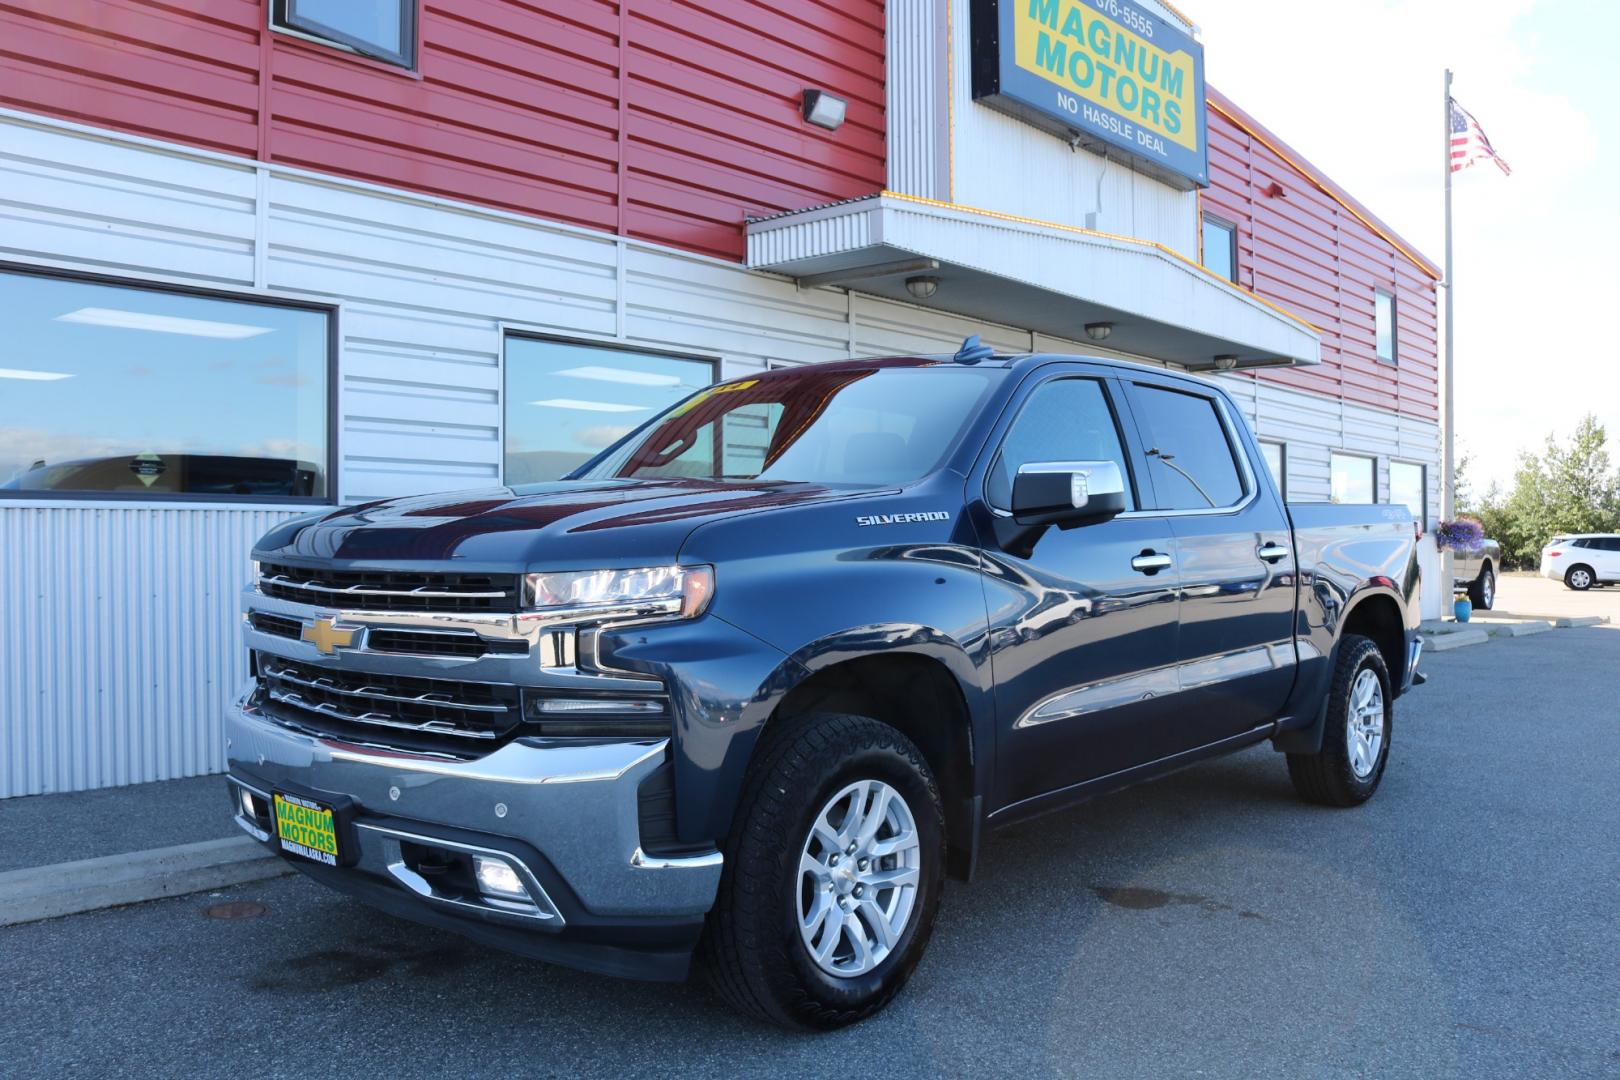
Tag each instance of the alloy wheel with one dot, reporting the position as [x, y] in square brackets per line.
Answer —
[1364, 731]
[858, 876]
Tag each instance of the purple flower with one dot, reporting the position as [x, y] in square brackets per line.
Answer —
[1464, 534]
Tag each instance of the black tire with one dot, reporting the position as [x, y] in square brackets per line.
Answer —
[1482, 593]
[1582, 573]
[756, 958]
[1327, 777]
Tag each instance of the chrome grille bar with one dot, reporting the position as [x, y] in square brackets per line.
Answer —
[373, 693]
[431, 727]
[421, 591]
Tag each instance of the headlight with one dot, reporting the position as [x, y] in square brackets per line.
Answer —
[678, 592]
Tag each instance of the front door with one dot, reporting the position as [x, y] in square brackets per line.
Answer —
[1083, 626]
[1235, 557]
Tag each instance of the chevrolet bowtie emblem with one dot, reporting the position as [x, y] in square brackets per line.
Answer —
[326, 635]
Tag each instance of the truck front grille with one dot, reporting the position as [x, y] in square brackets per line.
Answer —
[279, 625]
[464, 643]
[411, 712]
[389, 590]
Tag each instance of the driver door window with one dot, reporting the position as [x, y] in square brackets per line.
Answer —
[1064, 420]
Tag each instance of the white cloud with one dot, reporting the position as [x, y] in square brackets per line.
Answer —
[1357, 89]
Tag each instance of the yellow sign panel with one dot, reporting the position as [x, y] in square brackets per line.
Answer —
[1111, 64]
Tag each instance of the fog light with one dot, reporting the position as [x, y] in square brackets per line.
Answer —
[497, 878]
[247, 803]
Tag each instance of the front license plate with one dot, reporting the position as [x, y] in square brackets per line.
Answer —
[306, 828]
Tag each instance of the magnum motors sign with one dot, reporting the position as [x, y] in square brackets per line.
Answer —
[1105, 73]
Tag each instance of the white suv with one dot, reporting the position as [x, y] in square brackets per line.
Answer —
[1582, 560]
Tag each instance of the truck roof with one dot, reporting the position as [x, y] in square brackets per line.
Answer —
[1004, 360]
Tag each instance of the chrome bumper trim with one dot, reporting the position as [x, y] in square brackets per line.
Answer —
[543, 911]
[576, 803]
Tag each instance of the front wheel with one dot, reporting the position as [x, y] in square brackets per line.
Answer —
[1482, 593]
[832, 876]
[1580, 578]
[1355, 740]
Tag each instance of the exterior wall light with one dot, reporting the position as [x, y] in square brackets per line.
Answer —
[922, 286]
[1099, 331]
[1225, 362]
[823, 109]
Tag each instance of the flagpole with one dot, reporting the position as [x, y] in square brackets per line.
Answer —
[1448, 426]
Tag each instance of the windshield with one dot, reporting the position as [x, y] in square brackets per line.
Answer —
[836, 426]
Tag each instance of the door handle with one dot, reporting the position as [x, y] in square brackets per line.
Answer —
[1150, 562]
[1273, 552]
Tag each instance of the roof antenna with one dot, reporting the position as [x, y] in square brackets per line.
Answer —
[973, 350]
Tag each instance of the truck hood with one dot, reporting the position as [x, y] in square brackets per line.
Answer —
[566, 524]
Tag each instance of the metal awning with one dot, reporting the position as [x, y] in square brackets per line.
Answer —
[1052, 279]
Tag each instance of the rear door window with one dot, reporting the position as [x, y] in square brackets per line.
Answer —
[1190, 452]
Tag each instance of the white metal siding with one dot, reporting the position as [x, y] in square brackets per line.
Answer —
[120, 641]
[1000, 163]
[118, 625]
[917, 103]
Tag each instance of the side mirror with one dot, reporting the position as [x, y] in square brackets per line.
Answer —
[1067, 493]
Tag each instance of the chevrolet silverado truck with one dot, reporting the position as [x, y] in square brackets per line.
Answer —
[753, 682]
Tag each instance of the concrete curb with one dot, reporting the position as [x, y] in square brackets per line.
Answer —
[1580, 620]
[1516, 629]
[45, 892]
[1455, 640]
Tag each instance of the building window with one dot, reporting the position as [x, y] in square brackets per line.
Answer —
[1354, 478]
[1220, 247]
[112, 389]
[1190, 455]
[1276, 454]
[567, 402]
[1384, 325]
[1409, 487]
[382, 29]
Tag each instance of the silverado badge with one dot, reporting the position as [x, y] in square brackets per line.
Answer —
[326, 635]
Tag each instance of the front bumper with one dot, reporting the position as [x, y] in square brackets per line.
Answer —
[562, 814]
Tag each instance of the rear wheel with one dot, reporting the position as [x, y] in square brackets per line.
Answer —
[1580, 578]
[832, 876]
[1355, 740]
[1482, 593]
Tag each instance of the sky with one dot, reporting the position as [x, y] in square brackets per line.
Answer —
[1357, 89]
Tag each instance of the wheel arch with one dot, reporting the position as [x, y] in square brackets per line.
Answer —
[918, 695]
[1375, 613]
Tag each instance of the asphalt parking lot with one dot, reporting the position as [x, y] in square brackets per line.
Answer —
[1464, 923]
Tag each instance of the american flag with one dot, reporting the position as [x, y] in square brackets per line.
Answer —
[1468, 142]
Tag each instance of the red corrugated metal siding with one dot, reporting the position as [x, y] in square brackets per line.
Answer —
[661, 119]
[1309, 253]
[714, 89]
[153, 69]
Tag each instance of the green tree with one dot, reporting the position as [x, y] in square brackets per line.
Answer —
[1569, 487]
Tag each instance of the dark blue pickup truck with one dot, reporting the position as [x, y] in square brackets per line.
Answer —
[753, 682]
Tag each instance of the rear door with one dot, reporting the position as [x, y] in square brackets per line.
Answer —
[1083, 628]
[1235, 556]
[1606, 557]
